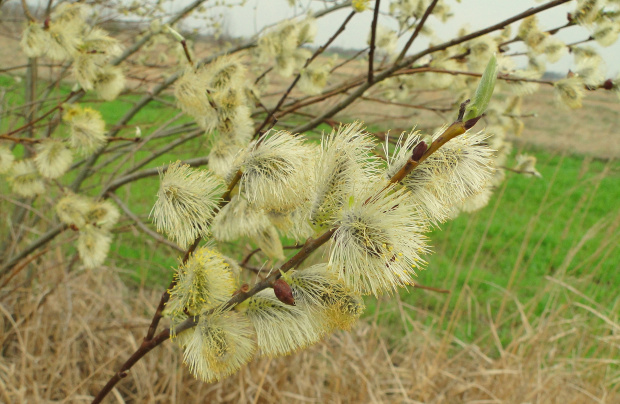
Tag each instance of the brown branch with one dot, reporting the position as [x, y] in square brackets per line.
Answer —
[48, 113]
[120, 138]
[27, 13]
[247, 258]
[20, 139]
[145, 347]
[500, 76]
[23, 265]
[416, 32]
[311, 245]
[373, 35]
[186, 50]
[41, 241]
[552, 31]
[401, 104]
[358, 92]
[294, 83]
[263, 74]
[418, 286]
[348, 60]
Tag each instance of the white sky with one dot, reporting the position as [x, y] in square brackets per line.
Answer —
[248, 19]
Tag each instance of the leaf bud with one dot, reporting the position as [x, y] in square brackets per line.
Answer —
[484, 91]
[283, 292]
[419, 150]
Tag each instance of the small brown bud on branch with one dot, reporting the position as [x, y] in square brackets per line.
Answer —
[419, 150]
[283, 292]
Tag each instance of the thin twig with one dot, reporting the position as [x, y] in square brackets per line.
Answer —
[158, 237]
[373, 38]
[48, 113]
[27, 13]
[310, 59]
[416, 32]
[354, 95]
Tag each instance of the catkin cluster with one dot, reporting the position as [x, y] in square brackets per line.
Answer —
[67, 35]
[371, 209]
[288, 186]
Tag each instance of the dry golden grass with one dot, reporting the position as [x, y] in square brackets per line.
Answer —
[64, 333]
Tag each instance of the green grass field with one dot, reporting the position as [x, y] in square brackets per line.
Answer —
[532, 230]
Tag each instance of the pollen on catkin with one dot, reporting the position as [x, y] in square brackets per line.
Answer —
[186, 202]
[378, 241]
[223, 152]
[203, 282]
[214, 94]
[194, 99]
[34, 40]
[103, 214]
[590, 70]
[95, 52]
[569, 91]
[87, 128]
[65, 30]
[72, 209]
[24, 178]
[93, 245]
[53, 158]
[344, 161]
[554, 48]
[606, 32]
[457, 170]
[239, 219]
[385, 40]
[327, 301]
[314, 78]
[6, 159]
[218, 346]
[276, 171]
[280, 328]
[526, 164]
[587, 11]
[109, 82]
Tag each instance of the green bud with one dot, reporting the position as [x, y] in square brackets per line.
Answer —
[483, 92]
[351, 201]
[174, 33]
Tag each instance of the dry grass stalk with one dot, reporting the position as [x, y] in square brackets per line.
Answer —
[61, 342]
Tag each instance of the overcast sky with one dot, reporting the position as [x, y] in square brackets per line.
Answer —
[255, 14]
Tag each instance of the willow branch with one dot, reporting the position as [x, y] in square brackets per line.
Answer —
[294, 83]
[358, 92]
[41, 241]
[86, 170]
[416, 32]
[136, 46]
[311, 245]
[150, 172]
[45, 115]
[348, 60]
[373, 38]
[27, 13]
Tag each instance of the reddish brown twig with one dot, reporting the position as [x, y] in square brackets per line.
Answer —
[373, 38]
[294, 83]
[416, 32]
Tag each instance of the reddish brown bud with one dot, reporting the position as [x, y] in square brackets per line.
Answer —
[244, 288]
[608, 84]
[283, 292]
[473, 121]
[74, 227]
[419, 150]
